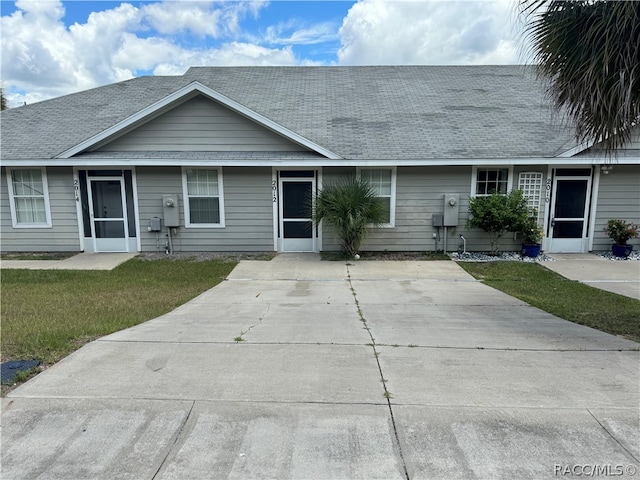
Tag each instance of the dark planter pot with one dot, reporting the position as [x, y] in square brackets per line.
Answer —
[621, 250]
[531, 250]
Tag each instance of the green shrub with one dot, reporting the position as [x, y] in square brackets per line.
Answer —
[498, 214]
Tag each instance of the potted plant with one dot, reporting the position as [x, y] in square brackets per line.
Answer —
[620, 232]
[531, 235]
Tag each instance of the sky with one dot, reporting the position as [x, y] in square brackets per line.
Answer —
[50, 48]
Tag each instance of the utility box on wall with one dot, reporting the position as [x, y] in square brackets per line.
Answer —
[171, 211]
[155, 224]
[451, 209]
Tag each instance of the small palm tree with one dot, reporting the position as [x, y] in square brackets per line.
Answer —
[590, 53]
[350, 207]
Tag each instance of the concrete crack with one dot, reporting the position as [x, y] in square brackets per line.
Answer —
[175, 441]
[387, 394]
[613, 437]
[240, 338]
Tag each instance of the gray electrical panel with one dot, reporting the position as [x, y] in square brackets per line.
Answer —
[437, 220]
[451, 209]
[155, 224]
[171, 211]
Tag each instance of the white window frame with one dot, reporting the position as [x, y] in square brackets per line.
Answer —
[474, 177]
[185, 196]
[12, 198]
[392, 196]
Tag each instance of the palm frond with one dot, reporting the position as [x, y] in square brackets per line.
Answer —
[351, 208]
[590, 53]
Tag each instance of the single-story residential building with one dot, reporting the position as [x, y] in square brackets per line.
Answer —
[227, 158]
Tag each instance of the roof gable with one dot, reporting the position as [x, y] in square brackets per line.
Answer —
[199, 124]
[132, 132]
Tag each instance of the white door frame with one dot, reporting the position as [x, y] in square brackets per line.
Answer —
[570, 245]
[280, 243]
[112, 245]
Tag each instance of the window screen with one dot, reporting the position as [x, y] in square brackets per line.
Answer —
[203, 196]
[492, 180]
[29, 196]
[380, 181]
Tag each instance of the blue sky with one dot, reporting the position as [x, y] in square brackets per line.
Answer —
[52, 47]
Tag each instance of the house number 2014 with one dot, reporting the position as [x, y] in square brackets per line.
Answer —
[76, 189]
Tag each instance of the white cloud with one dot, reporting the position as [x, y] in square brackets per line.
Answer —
[30, 46]
[429, 33]
[43, 58]
[175, 17]
[235, 53]
[199, 18]
[299, 32]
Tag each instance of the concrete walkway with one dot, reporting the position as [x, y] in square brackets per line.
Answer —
[621, 277]
[82, 261]
[298, 368]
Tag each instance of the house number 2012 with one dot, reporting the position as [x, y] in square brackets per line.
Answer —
[274, 190]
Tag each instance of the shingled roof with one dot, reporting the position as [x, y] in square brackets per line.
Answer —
[360, 113]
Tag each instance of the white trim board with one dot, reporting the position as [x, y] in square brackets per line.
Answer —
[169, 162]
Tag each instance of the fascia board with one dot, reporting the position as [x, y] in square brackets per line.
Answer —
[576, 150]
[148, 112]
[321, 162]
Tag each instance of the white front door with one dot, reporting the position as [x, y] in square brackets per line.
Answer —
[570, 211]
[297, 233]
[108, 214]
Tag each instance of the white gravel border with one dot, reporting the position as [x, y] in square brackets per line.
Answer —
[518, 257]
[499, 257]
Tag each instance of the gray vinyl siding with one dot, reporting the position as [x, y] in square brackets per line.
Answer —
[618, 197]
[634, 141]
[247, 204]
[201, 124]
[420, 193]
[62, 236]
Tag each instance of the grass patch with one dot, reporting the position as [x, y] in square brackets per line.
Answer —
[47, 314]
[574, 301]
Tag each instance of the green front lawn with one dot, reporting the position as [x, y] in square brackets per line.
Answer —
[47, 314]
[564, 298]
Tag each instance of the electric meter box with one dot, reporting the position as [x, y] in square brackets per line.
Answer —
[451, 209]
[171, 211]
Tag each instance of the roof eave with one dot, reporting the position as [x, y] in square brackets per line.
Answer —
[320, 162]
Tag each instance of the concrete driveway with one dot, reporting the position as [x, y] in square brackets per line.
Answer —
[621, 277]
[298, 368]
